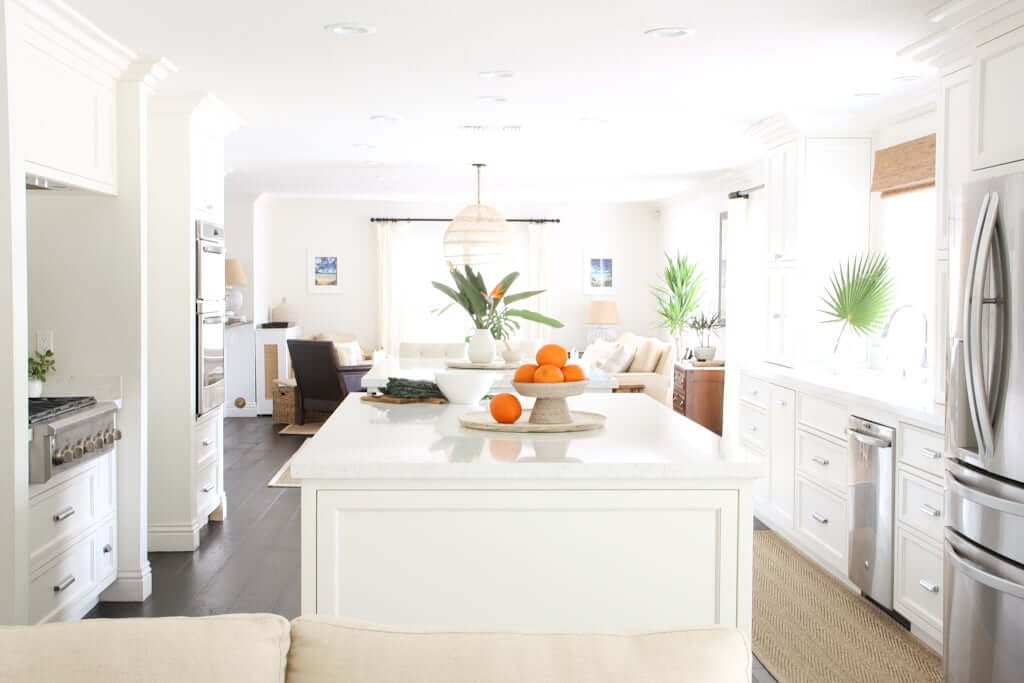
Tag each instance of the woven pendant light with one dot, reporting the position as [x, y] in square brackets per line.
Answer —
[477, 235]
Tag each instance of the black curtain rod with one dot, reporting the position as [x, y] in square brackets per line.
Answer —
[449, 220]
[745, 194]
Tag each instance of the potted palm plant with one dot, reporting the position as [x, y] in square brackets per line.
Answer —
[859, 296]
[705, 326]
[40, 364]
[677, 296]
[490, 310]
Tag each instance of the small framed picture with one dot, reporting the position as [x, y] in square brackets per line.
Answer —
[599, 275]
[323, 274]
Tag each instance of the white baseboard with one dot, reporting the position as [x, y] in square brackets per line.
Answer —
[248, 411]
[130, 586]
[171, 538]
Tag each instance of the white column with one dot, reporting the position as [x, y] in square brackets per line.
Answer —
[13, 345]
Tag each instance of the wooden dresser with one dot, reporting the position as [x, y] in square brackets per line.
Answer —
[697, 394]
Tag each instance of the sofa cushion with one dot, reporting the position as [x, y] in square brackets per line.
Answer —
[648, 353]
[599, 352]
[620, 360]
[232, 647]
[326, 649]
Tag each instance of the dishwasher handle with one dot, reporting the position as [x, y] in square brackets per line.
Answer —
[869, 439]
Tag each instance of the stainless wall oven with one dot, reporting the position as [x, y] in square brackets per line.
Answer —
[210, 316]
[210, 252]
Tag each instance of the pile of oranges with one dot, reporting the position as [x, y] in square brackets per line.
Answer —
[551, 367]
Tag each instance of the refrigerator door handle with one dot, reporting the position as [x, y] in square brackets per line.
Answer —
[984, 499]
[983, 577]
[981, 411]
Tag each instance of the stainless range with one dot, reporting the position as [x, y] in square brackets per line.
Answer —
[66, 431]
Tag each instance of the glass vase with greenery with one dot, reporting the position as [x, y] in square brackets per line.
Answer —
[859, 295]
[490, 309]
[677, 296]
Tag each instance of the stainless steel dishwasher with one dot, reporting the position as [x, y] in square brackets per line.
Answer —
[870, 542]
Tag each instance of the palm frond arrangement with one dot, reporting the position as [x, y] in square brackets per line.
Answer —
[859, 295]
[489, 308]
[678, 294]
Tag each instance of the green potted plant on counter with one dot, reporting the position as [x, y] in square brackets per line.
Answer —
[490, 310]
[39, 366]
[704, 326]
[677, 296]
[859, 296]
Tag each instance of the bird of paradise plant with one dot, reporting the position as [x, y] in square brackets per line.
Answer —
[490, 309]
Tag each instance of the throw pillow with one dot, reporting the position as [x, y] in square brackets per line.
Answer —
[350, 353]
[599, 352]
[620, 360]
[647, 355]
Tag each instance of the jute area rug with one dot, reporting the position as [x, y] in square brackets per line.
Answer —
[810, 628]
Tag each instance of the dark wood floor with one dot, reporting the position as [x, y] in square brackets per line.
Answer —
[249, 562]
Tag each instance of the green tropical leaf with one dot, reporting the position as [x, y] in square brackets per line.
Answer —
[519, 296]
[859, 295]
[506, 282]
[677, 296]
[533, 317]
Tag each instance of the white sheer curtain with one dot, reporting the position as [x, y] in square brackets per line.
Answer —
[411, 255]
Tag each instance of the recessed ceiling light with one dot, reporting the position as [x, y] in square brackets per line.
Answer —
[492, 99]
[670, 32]
[495, 74]
[349, 29]
[384, 118]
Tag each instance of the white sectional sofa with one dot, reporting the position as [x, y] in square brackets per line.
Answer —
[651, 365]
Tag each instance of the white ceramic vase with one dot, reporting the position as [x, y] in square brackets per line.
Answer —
[481, 347]
[35, 388]
[704, 353]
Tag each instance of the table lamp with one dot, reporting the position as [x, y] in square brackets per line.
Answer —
[602, 317]
[234, 278]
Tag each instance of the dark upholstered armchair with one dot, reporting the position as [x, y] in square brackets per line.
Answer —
[323, 382]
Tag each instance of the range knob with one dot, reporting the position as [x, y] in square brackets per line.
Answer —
[117, 434]
[90, 445]
[63, 456]
[78, 450]
[108, 438]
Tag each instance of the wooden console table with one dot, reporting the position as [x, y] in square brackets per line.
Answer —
[697, 394]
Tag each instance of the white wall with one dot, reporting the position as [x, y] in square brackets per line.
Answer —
[628, 232]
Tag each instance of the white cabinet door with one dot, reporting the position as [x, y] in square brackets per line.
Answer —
[782, 180]
[941, 341]
[953, 152]
[207, 173]
[782, 452]
[781, 316]
[998, 101]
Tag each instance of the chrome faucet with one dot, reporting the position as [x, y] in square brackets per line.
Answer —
[924, 321]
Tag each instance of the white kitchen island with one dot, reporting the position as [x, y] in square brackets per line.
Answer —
[409, 519]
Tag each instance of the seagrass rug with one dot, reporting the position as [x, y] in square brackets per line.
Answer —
[810, 628]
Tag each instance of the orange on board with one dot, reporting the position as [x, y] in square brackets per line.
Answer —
[548, 374]
[525, 373]
[573, 373]
[552, 354]
[506, 408]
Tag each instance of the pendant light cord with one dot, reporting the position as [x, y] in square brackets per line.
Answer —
[478, 167]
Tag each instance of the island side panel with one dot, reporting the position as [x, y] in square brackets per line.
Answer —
[309, 549]
[556, 560]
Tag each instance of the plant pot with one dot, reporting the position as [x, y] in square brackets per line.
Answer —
[512, 355]
[481, 347]
[704, 353]
[35, 388]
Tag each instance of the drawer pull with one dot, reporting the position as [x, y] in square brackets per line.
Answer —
[928, 586]
[64, 514]
[208, 488]
[753, 428]
[819, 519]
[755, 392]
[783, 403]
[108, 549]
[824, 462]
[929, 510]
[207, 442]
[930, 453]
[64, 585]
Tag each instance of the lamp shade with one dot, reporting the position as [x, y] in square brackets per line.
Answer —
[602, 313]
[233, 273]
[478, 234]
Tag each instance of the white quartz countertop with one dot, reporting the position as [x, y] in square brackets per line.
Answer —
[642, 439]
[913, 402]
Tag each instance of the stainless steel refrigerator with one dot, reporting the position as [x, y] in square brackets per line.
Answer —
[983, 637]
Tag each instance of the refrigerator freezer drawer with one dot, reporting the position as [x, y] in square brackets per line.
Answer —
[988, 511]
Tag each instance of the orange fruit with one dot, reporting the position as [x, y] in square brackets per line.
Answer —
[525, 373]
[506, 408]
[552, 354]
[573, 373]
[548, 374]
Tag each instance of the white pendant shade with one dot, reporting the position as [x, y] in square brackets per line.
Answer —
[477, 235]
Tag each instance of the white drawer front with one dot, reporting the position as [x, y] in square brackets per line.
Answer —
[754, 427]
[206, 440]
[57, 515]
[207, 489]
[821, 521]
[922, 449]
[825, 416]
[920, 504]
[822, 461]
[918, 579]
[754, 390]
[105, 547]
[70, 576]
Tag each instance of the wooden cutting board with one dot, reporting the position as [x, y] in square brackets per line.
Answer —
[395, 400]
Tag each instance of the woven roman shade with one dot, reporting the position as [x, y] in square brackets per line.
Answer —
[909, 166]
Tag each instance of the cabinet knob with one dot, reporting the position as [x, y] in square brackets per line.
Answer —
[108, 549]
[208, 488]
[207, 442]
[783, 403]
[776, 316]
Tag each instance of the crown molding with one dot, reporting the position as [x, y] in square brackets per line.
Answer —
[960, 25]
[58, 24]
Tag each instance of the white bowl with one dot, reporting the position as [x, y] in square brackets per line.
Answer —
[466, 387]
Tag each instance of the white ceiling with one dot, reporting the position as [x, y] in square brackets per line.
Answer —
[601, 109]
